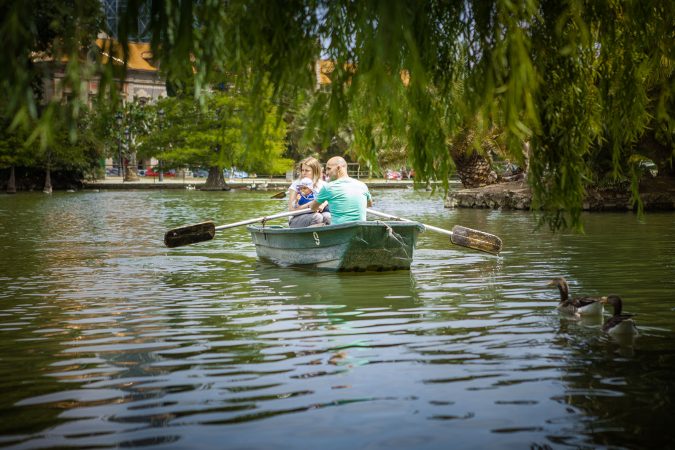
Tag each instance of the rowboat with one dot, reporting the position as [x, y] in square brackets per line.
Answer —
[353, 246]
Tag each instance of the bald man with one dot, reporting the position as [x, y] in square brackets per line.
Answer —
[347, 198]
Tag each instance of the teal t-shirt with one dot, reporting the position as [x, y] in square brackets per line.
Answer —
[347, 199]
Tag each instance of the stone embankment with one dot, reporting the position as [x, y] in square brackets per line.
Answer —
[656, 194]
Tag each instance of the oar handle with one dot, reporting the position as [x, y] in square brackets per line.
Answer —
[297, 212]
[466, 237]
[205, 231]
[437, 230]
[389, 216]
[402, 219]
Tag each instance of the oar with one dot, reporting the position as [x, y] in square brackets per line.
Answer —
[466, 237]
[205, 231]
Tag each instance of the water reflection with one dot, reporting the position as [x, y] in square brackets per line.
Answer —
[604, 381]
[108, 338]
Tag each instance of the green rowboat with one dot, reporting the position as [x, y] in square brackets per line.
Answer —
[353, 246]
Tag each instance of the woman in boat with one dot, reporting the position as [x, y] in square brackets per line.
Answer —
[309, 168]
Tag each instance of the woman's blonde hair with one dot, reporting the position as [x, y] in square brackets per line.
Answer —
[314, 164]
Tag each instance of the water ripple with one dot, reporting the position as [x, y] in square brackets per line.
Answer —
[110, 339]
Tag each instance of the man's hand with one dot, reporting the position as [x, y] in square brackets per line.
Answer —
[313, 205]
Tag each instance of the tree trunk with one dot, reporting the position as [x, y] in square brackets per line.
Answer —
[215, 181]
[474, 168]
[48, 181]
[11, 183]
[131, 173]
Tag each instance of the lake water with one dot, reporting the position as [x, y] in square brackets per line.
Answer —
[109, 339]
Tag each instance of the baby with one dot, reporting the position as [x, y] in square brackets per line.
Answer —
[305, 191]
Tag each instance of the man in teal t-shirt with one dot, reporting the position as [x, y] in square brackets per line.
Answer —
[347, 198]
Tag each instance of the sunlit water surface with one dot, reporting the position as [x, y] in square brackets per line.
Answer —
[109, 339]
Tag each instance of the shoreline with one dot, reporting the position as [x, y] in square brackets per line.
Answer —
[657, 194]
[239, 183]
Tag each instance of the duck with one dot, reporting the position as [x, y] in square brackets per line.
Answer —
[578, 306]
[619, 324]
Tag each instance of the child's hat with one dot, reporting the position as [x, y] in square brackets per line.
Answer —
[305, 182]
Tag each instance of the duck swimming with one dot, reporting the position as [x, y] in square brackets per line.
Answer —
[578, 306]
[619, 324]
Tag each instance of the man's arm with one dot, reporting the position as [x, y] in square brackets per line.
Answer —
[320, 200]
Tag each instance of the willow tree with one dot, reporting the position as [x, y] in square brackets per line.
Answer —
[38, 36]
[585, 82]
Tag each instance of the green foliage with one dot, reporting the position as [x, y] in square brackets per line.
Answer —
[586, 82]
[224, 131]
[83, 154]
[36, 33]
[13, 151]
[64, 152]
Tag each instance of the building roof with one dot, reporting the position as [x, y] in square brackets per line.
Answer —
[140, 54]
[326, 67]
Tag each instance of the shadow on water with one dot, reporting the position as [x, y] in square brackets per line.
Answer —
[612, 385]
[347, 288]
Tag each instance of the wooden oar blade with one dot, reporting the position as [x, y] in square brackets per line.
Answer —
[478, 240]
[190, 234]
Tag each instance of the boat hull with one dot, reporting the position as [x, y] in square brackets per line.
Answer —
[353, 246]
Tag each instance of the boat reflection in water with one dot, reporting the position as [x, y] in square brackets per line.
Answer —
[354, 246]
